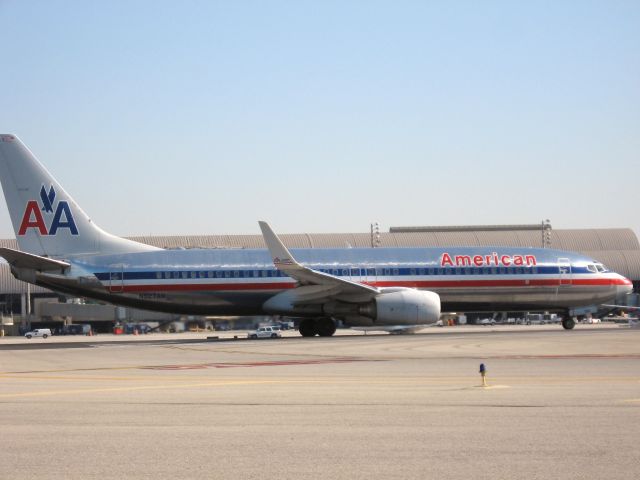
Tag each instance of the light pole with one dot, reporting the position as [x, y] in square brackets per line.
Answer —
[546, 233]
[375, 235]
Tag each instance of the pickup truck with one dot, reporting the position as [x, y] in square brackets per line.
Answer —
[38, 332]
[265, 332]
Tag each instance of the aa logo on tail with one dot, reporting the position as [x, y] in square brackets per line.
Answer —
[62, 216]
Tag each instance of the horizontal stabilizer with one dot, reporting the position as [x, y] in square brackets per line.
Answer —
[19, 259]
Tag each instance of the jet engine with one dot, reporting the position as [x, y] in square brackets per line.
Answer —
[404, 307]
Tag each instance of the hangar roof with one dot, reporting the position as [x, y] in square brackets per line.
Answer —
[572, 240]
[618, 248]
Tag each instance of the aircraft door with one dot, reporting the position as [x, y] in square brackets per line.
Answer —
[564, 269]
[357, 274]
[363, 275]
[116, 278]
[371, 277]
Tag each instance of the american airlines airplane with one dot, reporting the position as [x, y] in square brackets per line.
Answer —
[62, 249]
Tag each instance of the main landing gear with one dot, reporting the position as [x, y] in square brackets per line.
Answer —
[310, 327]
[568, 323]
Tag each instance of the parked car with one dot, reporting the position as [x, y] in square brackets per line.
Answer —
[265, 332]
[487, 321]
[38, 332]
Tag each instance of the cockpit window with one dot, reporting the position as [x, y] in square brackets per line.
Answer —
[592, 268]
[601, 268]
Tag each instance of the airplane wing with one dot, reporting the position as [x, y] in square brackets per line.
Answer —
[622, 307]
[329, 286]
[19, 259]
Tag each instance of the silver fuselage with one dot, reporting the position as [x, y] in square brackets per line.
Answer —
[238, 282]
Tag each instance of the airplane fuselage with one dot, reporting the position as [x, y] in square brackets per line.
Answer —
[239, 282]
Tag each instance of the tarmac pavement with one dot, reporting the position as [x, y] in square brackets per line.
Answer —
[559, 405]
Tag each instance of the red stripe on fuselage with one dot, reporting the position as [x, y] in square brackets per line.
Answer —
[548, 282]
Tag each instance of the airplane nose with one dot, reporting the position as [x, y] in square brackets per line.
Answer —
[625, 286]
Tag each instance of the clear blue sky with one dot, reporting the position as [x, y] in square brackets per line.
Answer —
[204, 117]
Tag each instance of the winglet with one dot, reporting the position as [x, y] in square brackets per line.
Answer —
[284, 261]
[281, 256]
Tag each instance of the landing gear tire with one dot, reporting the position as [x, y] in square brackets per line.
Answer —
[326, 327]
[308, 327]
[568, 323]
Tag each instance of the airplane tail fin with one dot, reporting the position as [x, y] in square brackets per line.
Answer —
[46, 220]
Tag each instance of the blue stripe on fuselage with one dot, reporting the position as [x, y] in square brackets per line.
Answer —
[227, 273]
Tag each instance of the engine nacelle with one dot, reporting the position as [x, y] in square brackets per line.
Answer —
[404, 307]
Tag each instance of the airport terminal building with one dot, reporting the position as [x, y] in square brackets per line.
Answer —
[617, 248]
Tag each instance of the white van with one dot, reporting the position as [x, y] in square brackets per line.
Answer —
[38, 332]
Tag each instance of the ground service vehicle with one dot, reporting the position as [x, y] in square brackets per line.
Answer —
[38, 332]
[75, 329]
